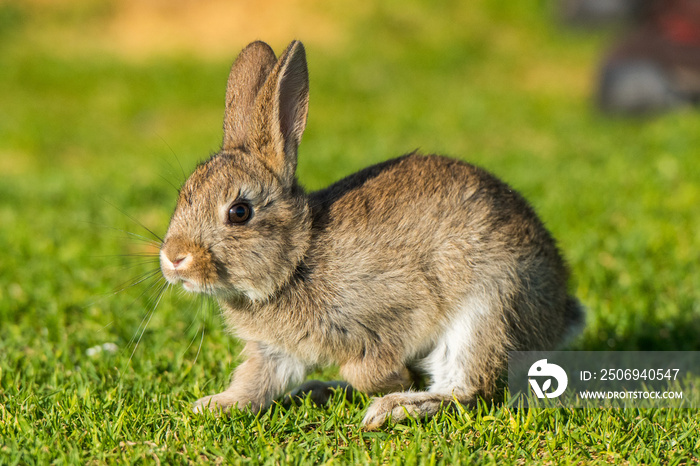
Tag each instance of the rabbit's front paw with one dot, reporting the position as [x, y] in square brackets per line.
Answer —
[221, 402]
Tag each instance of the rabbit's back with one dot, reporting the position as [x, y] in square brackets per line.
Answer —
[435, 214]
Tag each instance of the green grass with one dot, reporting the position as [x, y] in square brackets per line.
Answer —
[89, 142]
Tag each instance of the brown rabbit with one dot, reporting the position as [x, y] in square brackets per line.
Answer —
[418, 263]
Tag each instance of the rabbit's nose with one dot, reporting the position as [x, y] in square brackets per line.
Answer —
[177, 262]
[182, 261]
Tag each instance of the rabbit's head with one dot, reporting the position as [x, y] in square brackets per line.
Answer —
[242, 224]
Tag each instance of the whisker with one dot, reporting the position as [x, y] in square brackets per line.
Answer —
[184, 176]
[132, 265]
[191, 341]
[136, 280]
[148, 301]
[170, 183]
[213, 245]
[152, 255]
[126, 285]
[149, 315]
[196, 317]
[199, 350]
[199, 311]
[144, 239]
[135, 261]
[106, 326]
[134, 220]
[129, 234]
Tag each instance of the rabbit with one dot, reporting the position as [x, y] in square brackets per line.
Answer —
[419, 264]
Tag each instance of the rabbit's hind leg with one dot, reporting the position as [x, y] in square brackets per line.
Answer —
[466, 361]
[399, 405]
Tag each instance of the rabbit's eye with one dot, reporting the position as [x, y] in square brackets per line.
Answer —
[239, 213]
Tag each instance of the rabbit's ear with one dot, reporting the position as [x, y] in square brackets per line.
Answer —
[247, 77]
[281, 109]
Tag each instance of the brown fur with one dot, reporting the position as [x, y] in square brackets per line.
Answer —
[420, 262]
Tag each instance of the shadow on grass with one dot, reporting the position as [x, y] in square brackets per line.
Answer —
[679, 333]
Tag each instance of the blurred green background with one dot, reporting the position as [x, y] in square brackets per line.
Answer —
[103, 102]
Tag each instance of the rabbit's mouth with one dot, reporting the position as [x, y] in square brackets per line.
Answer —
[188, 284]
[191, 286]
[176, 272]
[188, 264]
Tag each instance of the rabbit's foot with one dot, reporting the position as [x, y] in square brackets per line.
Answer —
[221, 402]
[399, 406]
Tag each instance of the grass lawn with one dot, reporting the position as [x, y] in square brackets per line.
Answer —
[95, 138]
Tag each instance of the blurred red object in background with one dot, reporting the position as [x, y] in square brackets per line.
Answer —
[656, 65]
